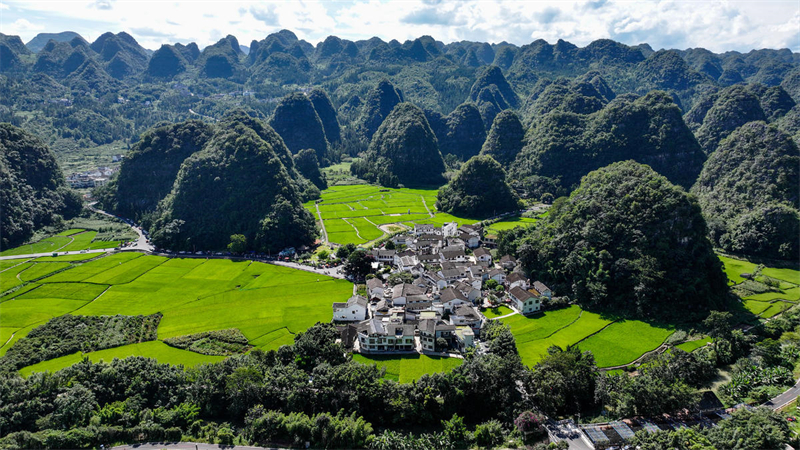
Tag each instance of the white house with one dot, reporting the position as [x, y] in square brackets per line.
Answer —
[424, 228]
[375, 288]
[469, 291]
[384, 256]
[453, 254]
[450, 229]
[497, 275]
[465, 315]
[354, 310]
[452, 298]
[375, 336]
[401, 292]
[516, 279]
[482, 254]
[508, 262]
[526, 302]
[542, 289]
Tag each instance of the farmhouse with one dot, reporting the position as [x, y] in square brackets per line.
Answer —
[375, 336]
[516, 279]
[354, 310]
[482, 254]
[524, 301]
[375, 288]
[542, 289]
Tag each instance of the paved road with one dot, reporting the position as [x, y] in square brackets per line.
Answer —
[186, 446]
[141, 241]
[788, 396]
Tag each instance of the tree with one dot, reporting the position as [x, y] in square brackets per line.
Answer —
[390, 245]
[359, 264]
[441, 344]
[238, 243]
[719, 326]
[489, 434]
[478, 189]
[345, 250]
[399, 278]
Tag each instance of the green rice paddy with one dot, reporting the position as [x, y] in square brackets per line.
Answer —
[352, 214]
[408, 368]
[610, 342]
[66, 241]
[691, 346]
[267, 303]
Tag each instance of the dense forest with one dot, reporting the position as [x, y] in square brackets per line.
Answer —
[548, 113]
[33, 192]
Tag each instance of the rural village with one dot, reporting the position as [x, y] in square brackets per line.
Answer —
[439, 312]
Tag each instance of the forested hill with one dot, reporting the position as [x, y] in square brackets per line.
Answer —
[548, 113]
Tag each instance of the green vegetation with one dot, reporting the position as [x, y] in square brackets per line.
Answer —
[194, 296]
[512, 222]
[615, 244]
[478, 189]
[624, 341]
[506, 138]
[403, 150]
[64, 335]
[565, 146]
[406, 369]
[32, 188]
[498, 311]
[364, 207]
[691, 346]
[749, 190]
[245, 176]
[298, 123]
[217, 342]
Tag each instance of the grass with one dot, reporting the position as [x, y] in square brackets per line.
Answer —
[8, 277]
[624, 341]
[735, 267]
[500, 310]
[691, 346]
[158, 350]
[790, 275]
[74, 239]
[267, 303]
[407, 368]
[792, 294]
[40, 270]
[51, 244]
[365, 207]
[512, 222]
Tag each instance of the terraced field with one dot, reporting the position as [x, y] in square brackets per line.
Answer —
[765, 304]
[353, 214]
[267, 303]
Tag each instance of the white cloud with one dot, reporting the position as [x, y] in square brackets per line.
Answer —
[19, 26]
[718, 25]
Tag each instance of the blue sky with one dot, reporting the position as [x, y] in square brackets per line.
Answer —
[716, 25]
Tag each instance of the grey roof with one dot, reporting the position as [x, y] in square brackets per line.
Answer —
[451, 273]
[507, 259]
[382, 305]
[418, 306]
[405, 289]
[467, 312]
[451, 294]
[357, 300]
[515, 276]
[452, 254]
[339, 305]
[374, 283]
[520, 294]
[494, 272]
[428, 258]
[477, 269]
[427, 326]
[480, 251]
[539, 286]
[417, 298]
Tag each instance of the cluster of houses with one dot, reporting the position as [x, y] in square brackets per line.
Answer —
[92, 178]
[439, 311]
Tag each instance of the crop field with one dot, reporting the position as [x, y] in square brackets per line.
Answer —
[408, 368]
[267, 303]
[624, 341]
[610, 342]
[691, 346]
[735, 267]
[512, 222]
[39, 270]
[352, 214]
[67, 241]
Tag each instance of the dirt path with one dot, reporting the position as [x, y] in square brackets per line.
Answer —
[322, 225]
[354, 227]
[426, 206]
